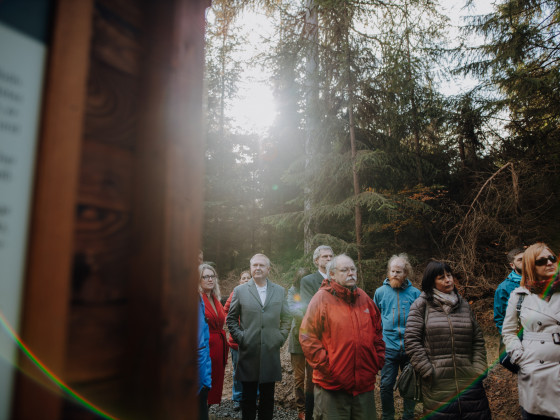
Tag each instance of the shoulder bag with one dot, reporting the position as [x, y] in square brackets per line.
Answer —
[409, 383]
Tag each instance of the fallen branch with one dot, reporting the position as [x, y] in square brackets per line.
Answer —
[478, 195]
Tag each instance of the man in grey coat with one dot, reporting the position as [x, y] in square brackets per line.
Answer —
[259, 321]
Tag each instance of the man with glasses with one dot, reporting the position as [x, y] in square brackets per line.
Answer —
[259, 322]
[342, 340]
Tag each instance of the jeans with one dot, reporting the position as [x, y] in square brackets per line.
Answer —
[394, 359]
[249, 400]
[237, 388]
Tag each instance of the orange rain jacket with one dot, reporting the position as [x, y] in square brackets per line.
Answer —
[342, 339]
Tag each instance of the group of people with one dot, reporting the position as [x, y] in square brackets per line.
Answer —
[340, 338]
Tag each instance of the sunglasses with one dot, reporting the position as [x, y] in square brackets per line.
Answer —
[545, 260]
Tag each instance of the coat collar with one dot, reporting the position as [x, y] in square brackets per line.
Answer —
[252, 286]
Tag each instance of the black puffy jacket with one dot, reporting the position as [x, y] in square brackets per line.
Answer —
[450, 356]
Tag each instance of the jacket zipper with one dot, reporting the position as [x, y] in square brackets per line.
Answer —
[399, 318]
[454, 362]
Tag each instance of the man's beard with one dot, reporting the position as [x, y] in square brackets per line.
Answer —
[395, 284]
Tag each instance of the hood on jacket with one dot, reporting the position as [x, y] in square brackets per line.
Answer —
[514, 276]
[347, 295]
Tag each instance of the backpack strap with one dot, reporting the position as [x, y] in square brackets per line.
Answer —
[520, 302]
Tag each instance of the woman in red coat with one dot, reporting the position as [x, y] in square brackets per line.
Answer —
[216, 317]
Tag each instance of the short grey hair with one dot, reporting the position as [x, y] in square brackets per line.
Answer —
[407, 267]
[317, 252]
[331, 265]
[260, 255]
[216, 289]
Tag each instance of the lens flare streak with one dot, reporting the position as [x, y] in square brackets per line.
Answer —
[49, 374]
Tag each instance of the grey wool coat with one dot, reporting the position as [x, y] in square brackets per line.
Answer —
[260, 330]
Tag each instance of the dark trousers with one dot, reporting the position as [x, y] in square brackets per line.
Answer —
[528, 416]
[394, 360]
[309, 389]
[203, 404]
[249, 400]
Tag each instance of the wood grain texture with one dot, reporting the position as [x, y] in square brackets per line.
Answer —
[112, 106]
[97, 349]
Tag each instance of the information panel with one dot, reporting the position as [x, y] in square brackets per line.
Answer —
[22, 62]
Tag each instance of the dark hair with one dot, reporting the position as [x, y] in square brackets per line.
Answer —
[512, 254]
[433, 269]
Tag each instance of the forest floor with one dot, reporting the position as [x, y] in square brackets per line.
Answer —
[500, 385]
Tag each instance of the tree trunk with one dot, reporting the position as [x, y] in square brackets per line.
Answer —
[310, 33]
[356, 181]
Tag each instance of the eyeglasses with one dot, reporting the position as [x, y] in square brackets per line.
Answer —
[545, 260]
[209, 277]
[347, 269]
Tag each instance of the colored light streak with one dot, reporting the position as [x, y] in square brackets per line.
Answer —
[50, 375]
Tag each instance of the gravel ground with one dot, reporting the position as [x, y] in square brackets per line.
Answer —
[225, 411]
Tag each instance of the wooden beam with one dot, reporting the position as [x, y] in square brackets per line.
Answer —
[49, 262]
[168, 216]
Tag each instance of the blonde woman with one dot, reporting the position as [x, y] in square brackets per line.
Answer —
[214, 312]
[538, 352]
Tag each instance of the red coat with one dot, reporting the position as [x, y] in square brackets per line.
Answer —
[342, 339]
[218, 347]
[231, 341]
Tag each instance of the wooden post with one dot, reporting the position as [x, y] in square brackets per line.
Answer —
[46, 296]
[167, 216]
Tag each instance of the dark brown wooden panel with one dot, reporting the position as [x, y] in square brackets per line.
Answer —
[96, 349]
[105, 176]
[116, 41]
[112, 105]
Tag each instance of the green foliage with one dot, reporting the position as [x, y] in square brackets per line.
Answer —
[429, 166]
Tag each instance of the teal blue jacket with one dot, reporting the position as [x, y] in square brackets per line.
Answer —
[501, 297]
[394, 305]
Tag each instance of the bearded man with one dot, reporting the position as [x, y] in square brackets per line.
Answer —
[394, 299]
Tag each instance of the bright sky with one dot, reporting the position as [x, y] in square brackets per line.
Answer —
[255, 110]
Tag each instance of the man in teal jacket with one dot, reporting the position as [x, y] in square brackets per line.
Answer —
[501, 296]
[394, 299]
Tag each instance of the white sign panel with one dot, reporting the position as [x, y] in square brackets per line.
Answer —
[22, 60]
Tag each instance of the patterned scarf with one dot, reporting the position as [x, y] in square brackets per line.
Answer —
[546, 287]
[447, 300]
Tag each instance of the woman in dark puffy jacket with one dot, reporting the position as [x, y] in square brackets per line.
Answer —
[446, 348]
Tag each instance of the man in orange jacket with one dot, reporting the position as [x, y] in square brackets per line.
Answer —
[342, 339]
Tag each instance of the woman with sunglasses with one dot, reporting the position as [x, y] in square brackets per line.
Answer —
[216, 317]
[537, 349]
